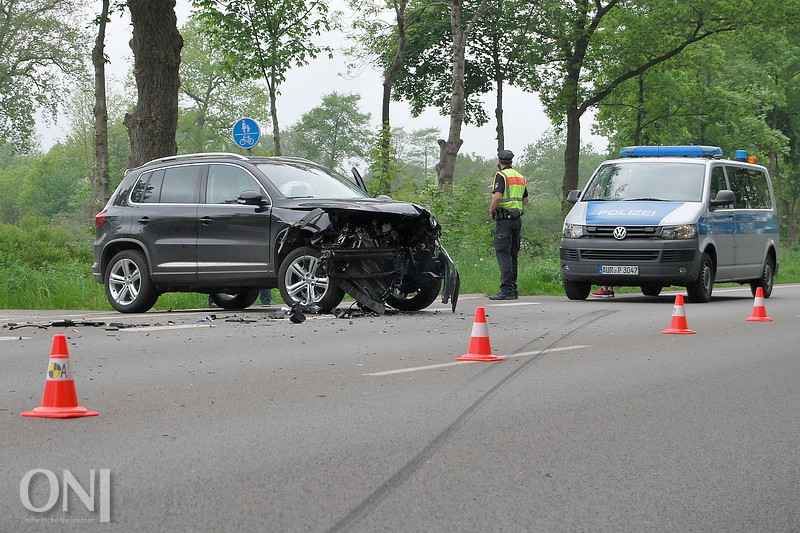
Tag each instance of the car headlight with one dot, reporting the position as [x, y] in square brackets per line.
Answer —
[682, 231]
[573, 231]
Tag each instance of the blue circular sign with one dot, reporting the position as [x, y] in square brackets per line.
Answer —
[246, 133]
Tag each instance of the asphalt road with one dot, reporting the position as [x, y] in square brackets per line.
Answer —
[594, 421]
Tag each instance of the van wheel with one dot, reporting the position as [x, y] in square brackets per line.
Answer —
[699, 291]
[235, 300]
[577, 290]
[766, 280]
[651, 290]
[129, 288]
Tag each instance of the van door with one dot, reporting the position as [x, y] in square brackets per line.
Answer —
[752, 215]
[721, 227]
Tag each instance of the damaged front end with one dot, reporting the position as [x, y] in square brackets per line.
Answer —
[381, 256]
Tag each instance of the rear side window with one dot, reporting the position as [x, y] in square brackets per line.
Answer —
[177, 185]
[751, 188]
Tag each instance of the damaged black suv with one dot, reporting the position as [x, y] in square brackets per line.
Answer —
[228, 225]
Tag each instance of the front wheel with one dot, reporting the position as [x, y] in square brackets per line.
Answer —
[766, 280]
[302, 279]
[577, 290]
[237, 300]
[651, 290]
[414, 301]
[129, 288]
[699, 291]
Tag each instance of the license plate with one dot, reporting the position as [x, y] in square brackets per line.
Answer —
[626, 270]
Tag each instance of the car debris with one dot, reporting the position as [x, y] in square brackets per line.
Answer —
[67, 323]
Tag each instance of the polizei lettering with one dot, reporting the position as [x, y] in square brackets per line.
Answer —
[628, 212]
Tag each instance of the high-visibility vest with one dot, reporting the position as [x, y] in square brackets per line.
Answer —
[514, 190]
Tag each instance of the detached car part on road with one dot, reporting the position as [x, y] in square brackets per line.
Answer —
[230, 225]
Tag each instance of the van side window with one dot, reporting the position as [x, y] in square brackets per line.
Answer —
[751, 188]
[718, 182]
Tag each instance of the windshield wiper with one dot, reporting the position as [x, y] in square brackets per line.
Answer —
[645, 198]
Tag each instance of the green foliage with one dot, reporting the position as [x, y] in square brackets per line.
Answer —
[42, 51]
[211, 101]
[332, 133]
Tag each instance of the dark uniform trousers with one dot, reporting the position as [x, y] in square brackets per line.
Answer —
[506, 244]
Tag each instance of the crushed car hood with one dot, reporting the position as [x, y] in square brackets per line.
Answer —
[394, 207]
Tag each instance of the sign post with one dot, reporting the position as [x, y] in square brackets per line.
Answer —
[246, 134]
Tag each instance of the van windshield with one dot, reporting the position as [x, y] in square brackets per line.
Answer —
[656, 181]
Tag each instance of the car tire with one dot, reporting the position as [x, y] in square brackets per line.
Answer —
[237, 300]
[767, 279]
[651, 290]
[302, 279]
[128, 286]
[577, 290]
[699, 291]
[414, 301]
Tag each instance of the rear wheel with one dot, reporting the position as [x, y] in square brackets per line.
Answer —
[577, 290]
[766, 280]
[651, 290]
[699, 291]
[129, 288]
[414, 301]
[235, 300]
[302, 279]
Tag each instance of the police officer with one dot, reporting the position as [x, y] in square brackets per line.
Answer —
[509, 195]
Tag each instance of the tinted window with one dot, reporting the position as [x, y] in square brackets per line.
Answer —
[153, 190]
[181, 184]
[718, 182]
[227, 182]
[751, 188]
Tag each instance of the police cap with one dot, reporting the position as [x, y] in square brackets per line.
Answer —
[505, 155]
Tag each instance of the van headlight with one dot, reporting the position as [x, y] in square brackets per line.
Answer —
[573, 231]
[682, 231]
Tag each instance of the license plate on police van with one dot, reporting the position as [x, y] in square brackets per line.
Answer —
[630, 270]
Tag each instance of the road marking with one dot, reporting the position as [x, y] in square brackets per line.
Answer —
[515, 303]
[454, 363]
[14, 338]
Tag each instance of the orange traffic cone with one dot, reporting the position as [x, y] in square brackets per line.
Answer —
[678, 324]
[479, 347]
[759, 311]
[60, 399]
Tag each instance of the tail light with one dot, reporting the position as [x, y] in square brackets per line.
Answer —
[99, 218]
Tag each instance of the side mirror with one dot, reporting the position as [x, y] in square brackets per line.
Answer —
[252, 198]
[573, 196]
[724, 197]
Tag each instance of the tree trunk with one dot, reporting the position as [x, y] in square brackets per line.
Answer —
[156, 46]
[273, 111]
[448, 150]
[101, 177]
[572, 151]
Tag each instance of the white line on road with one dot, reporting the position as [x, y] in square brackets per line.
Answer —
[14, 338]
[454, 363]
[157, 328]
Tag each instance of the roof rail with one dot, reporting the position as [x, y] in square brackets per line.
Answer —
[203, 154]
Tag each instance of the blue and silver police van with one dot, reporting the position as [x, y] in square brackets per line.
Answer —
[671, 215]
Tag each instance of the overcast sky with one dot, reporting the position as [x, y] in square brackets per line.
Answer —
[304, 87]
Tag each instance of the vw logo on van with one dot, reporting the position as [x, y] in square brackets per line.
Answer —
[620, 232]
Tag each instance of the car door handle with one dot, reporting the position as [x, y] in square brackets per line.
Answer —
[144, 221]
[205, 220]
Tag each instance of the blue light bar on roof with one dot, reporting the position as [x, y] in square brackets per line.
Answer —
[671, 151]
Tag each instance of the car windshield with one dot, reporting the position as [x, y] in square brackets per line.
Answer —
[301, 180]
[656, 181]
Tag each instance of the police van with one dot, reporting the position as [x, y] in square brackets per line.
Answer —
[671, 215]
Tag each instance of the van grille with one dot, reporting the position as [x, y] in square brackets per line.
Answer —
[633, 232]
[619, 255]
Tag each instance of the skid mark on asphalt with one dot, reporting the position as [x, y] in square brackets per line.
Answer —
[373, 500]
